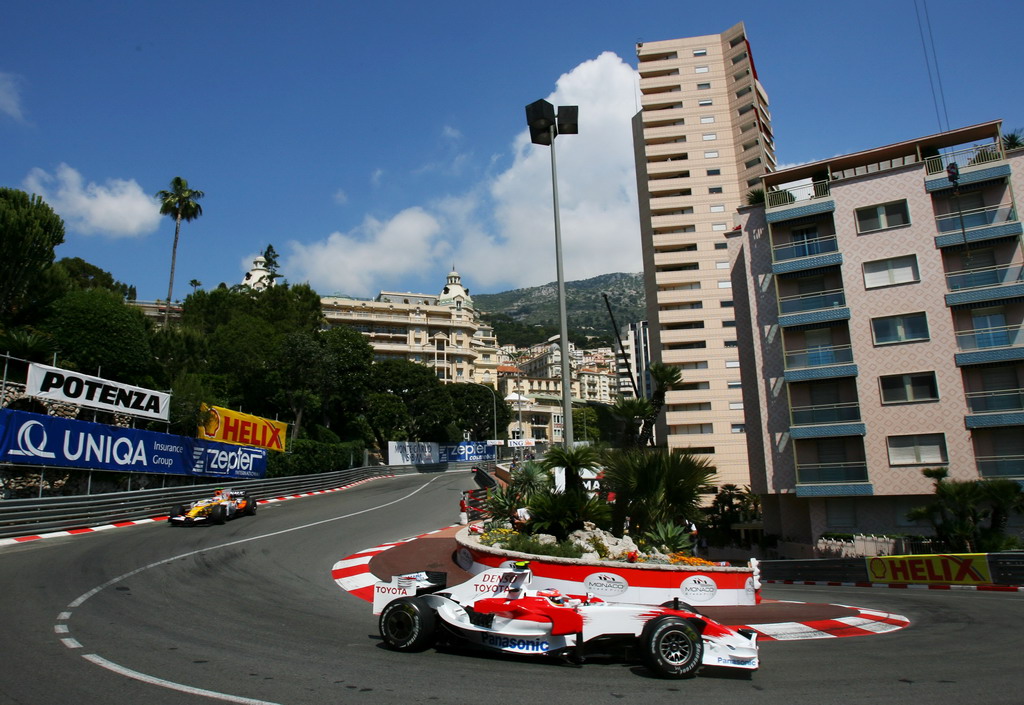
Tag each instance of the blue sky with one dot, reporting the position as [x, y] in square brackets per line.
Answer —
[376, 144]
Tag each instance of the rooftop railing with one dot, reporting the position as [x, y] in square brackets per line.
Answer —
[975, 155]
[796, 194]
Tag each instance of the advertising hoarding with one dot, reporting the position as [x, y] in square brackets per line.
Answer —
[70, 387]
[228, 426]
[36, 439]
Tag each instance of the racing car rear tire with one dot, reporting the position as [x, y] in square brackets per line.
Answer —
[250, 505]
[408, 624]
[219, 515]
[671, 648]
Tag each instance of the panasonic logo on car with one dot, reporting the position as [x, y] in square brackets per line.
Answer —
[605, 584]
[511, 644]
[699, 588]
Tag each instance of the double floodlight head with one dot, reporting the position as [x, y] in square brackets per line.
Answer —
[540, 116]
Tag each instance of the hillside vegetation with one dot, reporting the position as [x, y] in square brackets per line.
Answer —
[527, 316]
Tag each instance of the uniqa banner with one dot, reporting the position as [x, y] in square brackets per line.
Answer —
[234, 427]
[71, 387]
[36, 439]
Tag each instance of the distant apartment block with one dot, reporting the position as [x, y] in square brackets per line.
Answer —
[702, 140]
[880, 312]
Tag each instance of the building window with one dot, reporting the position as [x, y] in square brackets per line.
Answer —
[734, 384]
[889, 272]
[924, 449]
[736, 405]
[714, 172]
[703, 86]
[715, 189]
[700, 52]
[719, 227]
[900, 329]
[700, 69]
[731, 344]
[901, 389]
[739, 428]
[711, 154]
[694, 428]
[709, 136]
[732, 363]
[882, 217]
[707, 119]
[721, 245]
[704, 102]
[718, 208]
[840, 513]
[727, 304]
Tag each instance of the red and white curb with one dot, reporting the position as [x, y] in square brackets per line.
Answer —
[903, 586]
[353, 575]
[866, 622]
[136, 522]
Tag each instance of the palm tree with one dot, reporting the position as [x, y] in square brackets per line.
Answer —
[180, 203]
[195, 284]
[665, 377]
[631, 412]
[573, 460]
[1013, 140]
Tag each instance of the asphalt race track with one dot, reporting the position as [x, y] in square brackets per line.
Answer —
[248, 613]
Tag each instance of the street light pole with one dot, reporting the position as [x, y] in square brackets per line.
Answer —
[544, 127]
[494, 405]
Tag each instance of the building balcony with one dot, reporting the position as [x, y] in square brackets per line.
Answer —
[985, 284]
[819, 362]
[806, 254]
[1003, 407]
[798, 201]
[986, 345]
[1001, 466]
[817, 307]
[977, 163]
[843, 413]
[831, 473]
[977, 225]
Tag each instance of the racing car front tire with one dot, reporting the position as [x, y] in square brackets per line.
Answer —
[408, 624]
[219, 515]
[671, 648]
[176, 511]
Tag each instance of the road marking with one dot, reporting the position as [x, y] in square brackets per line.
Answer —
[152, 680]
[127, 672]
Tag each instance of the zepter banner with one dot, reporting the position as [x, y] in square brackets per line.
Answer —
[229, 426]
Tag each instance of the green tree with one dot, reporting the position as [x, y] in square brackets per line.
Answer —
[478, 410]
[270, 256]
[180, 202]
[29, 232]
[665, 377]
[85, 275]
[574, 460]
[96, 332]
[195, 284]
[586, 424]
[654, 486]
[1013, 140]
[425, 398]
[631, 413]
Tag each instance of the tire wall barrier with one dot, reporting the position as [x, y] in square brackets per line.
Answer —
[977, 569]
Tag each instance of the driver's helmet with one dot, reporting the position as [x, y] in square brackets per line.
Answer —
[552, 594]
[218, 493]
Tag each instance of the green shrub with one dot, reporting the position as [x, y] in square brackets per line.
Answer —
[523, 543]
[668, 537]
[306, 457]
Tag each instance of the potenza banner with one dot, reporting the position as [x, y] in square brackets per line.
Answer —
[234, 427]
[96, 393]
[36, 439]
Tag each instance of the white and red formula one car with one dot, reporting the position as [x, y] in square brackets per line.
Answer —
[497, 611]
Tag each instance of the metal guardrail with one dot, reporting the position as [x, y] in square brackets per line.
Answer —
[25, 517]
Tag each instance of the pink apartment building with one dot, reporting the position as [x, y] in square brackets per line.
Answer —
[879, 317]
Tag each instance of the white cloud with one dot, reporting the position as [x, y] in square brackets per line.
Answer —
[10, 96]
[362, 262]
[500, 234]
[340, 197]
[118, 208]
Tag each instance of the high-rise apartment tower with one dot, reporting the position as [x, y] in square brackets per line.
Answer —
[702, 141]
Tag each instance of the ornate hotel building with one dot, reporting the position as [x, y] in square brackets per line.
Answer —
[702, 141]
